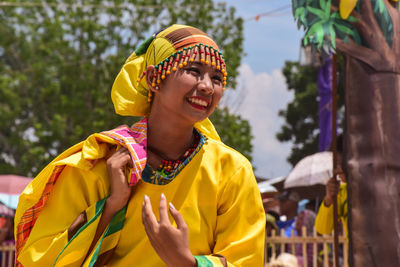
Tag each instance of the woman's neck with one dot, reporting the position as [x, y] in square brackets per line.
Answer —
[168, 136]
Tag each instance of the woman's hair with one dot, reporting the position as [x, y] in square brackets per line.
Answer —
[339, 144]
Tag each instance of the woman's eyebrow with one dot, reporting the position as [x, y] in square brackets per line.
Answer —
[214, 71]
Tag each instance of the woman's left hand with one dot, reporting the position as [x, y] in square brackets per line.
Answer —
[170, 243]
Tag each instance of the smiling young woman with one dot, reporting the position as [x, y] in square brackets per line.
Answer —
[163, 192]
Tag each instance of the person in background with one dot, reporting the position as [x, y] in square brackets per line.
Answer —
[324, 219]
[288, 205]
[269, 226]
[274, 214]
[305, 218]
[6, 233]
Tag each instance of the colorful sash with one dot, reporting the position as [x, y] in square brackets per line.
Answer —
[94, 148]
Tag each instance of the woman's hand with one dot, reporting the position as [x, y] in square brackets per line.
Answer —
[332, 189]
[170, 243]
[120, 192]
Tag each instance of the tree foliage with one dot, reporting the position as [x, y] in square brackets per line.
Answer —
[233, 130]
[301, 115]
[325, 21]
[58, 60]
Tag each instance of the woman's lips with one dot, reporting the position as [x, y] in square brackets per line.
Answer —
[198, 102]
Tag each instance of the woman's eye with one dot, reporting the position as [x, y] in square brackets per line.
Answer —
[193, 70]
[217, 78]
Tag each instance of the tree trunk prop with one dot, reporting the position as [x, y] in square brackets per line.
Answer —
[373, 164]
[372, 80]
[370, 40]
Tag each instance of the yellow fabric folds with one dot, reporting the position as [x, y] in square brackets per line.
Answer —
[220, 203]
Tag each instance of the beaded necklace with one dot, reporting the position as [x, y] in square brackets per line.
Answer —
[168, 166]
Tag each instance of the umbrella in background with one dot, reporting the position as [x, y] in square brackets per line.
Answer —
[11, 186]
[310, 175]
[6, 211]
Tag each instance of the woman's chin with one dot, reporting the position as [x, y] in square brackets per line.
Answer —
[198, 114]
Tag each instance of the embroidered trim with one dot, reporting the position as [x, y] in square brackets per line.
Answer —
[153, 177]
[202, 261]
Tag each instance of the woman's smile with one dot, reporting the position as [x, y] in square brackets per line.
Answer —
[200, 103]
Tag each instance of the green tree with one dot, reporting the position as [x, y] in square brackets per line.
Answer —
[301, 115]
[58, 60]
[233, 130]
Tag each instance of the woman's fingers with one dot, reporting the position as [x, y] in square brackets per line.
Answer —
[148, 217]
[163, 210]
[180, 222]
[110, 152]
[170, 243]
[118, 154]
[120, 192]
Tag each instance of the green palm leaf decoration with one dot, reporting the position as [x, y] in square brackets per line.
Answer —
[383, 18]
[323, 25]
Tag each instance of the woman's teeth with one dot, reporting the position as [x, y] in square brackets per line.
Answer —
[198, 102]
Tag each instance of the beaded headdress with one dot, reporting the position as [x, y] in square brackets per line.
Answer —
[185, 41]
[168, 50]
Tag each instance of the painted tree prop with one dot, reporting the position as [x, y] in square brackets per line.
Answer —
[368, 33]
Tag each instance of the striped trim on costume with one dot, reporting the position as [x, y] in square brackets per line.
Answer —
[135, 140]
[30, 216]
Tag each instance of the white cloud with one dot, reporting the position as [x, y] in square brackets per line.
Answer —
[258, 98]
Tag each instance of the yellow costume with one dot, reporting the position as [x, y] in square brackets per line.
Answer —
[214, 189]
[324, 219]
[216, 193]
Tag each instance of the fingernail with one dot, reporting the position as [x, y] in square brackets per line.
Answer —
[146, 197]
[162, 195]
[171, 206]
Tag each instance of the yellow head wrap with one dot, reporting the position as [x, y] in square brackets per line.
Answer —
[130, 93]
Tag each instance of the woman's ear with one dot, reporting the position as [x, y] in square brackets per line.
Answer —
[150, 72]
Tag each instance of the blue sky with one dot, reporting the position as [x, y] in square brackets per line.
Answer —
[261, 90]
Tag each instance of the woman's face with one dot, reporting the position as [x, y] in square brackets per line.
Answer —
[192, 92]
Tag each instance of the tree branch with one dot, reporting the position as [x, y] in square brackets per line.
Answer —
[395, 16]
[370, 57]
[375, 39]
[362, 53]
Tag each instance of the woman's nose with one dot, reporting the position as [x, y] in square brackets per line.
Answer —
[205, 85]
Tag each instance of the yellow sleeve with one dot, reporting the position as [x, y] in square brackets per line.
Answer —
[74, 192]
[240, 227]
[324, 219]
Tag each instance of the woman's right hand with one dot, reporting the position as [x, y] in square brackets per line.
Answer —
[332, 189]
[120, 192]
